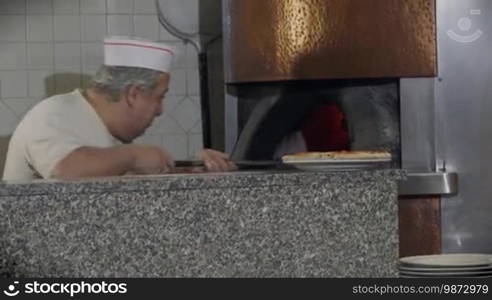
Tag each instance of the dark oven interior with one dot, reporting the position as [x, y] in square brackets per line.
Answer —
[277, 118]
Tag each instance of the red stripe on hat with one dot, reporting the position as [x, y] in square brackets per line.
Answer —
[141, 46]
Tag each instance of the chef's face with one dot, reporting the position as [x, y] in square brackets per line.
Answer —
[148, 105]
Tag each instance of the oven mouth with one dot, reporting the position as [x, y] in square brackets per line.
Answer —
[276, 118]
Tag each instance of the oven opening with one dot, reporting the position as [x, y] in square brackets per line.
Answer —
[281, 118]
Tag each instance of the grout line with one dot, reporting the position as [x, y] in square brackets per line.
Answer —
[98, 13]
[132, 19]
[188, 145]
[53, 46]
[107, 20]
[44, 42]
[28, 86]
[12, 110]
[80, 46]
[176, 121]
[26, 69]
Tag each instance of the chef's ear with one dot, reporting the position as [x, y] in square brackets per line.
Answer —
[132, 92]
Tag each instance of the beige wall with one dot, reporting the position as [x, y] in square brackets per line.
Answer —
[53, 46]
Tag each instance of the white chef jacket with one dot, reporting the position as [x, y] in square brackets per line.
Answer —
[50, 131]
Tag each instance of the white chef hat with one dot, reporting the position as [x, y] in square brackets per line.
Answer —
[136, 52]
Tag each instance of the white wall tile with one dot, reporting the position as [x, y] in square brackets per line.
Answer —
[177, 145]
[180, 57]
[66, 6]
[93, 6]
[169, 125]
[120, 25]
[67, 28]
[40, 7]
[183, 14]
[177, 86]
[20, 106]
[165, 36]
[166, 124]
[13, 84]
[145, 7]
[41, 83]
[195, 144]
[59, 20]
[12, 28]
[195, 100]
[197, 128]
[120, 6]
[40, 28]
[12, 56]
[171, 102]
[92, 55]
[146, 26]
[193, 81]
[187, 114]
[12, 6]
[191, 57]
[67, 56]
[93, 27]
[90, 70]
[40, 56]
[8, 120]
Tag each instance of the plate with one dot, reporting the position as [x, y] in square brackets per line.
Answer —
[448, 260]
[339, 164]
[403, 275]
[445, 269]
[446, 274]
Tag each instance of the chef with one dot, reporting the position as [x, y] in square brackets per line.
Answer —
[89, 132]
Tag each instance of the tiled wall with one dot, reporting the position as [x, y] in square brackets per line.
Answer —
[53, 46]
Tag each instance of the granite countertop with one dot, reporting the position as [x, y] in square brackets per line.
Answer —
[239, 224]
[189, 181]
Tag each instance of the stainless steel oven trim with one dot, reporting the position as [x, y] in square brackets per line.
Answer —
[418, 125]
[417, 184]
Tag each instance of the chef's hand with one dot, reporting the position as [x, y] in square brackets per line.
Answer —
[151, 160]
[216, 161]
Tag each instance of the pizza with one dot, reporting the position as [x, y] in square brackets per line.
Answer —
[344, 154]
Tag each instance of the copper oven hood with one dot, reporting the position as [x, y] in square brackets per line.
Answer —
[271, 40]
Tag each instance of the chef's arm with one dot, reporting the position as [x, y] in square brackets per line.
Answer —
[118, 160]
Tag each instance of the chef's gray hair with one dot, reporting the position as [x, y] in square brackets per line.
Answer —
[114, 80]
